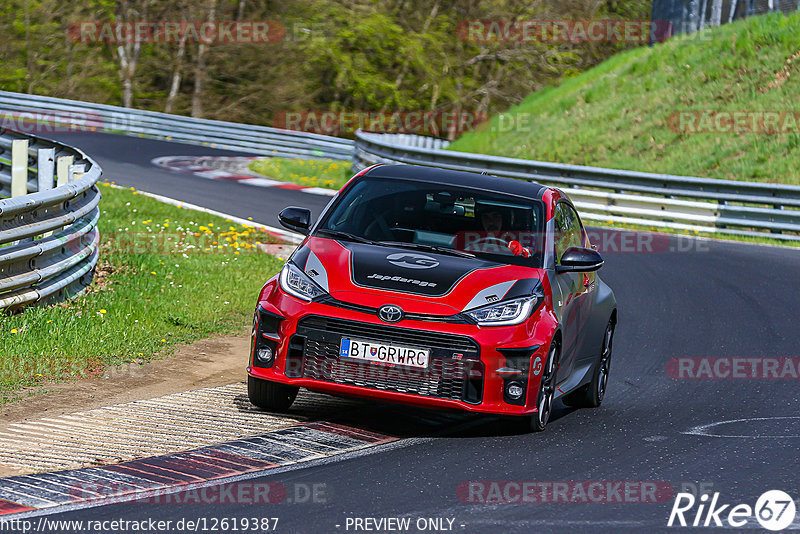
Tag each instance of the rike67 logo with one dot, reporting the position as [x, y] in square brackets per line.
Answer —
[774, 510]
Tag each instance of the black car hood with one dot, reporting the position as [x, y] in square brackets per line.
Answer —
[409, 271]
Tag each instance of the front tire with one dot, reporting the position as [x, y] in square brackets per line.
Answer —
[270, 396]
[591, 395]
[537, 422]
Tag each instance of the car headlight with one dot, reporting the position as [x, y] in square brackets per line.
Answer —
[504, 313]
[298, 284]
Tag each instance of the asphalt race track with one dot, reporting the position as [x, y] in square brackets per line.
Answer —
[700, 299]
[126, 161]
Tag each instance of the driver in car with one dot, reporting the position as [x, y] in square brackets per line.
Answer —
[492, 221]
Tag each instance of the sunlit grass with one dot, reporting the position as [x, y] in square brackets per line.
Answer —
[330, 174]
[166, 276]
[621, 113]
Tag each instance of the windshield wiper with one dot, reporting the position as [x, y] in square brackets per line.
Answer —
[429, 248]
[337, 234]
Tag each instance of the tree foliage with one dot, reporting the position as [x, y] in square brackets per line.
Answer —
[364, 55]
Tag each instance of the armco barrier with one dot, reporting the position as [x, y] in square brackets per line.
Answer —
[260, 140]
[48, 228]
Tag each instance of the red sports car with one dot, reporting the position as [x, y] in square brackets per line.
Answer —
[441, 289]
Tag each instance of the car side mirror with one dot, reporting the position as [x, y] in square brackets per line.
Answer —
[296, 219]
[581, 260]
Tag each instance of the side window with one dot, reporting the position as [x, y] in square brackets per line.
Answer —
[568, 231]
[575, 229]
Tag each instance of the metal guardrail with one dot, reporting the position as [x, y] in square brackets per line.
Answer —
[655, 200]
[48, 228]
[260, 140]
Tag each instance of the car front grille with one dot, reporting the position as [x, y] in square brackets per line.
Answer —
[455, 371]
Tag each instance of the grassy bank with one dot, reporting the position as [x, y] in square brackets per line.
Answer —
[331, 174]
[166, 276]
[626, 112]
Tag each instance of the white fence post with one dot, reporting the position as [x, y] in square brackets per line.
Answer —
[76, 171]
[19, 167]
[44, 168]
[62, 168]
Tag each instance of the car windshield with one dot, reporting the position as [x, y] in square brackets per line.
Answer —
[436, 217]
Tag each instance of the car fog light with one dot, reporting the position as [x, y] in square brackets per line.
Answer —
[264, 354]
[514, 390]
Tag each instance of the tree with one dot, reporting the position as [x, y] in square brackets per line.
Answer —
[716, 13]
[127, 50]
[200, 67]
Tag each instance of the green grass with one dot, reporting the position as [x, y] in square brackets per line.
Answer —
[329, 173]
[146, 297]
[617, 115]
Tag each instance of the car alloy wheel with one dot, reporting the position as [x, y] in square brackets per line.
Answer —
[547, 389]
[605, 361]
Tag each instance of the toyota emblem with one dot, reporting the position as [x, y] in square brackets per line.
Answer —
[390, 313]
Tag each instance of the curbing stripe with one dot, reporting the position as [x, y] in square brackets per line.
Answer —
[16, 494]
[269, 448]
[87, 481]
[306, 444]
[232, 448]
[105, 476]
[240, 463]
[355, 433]
[35, 491]
[8, 507]
[145, 472]
[136, 479]
[187, 466]
[316, 437]
[187, 165]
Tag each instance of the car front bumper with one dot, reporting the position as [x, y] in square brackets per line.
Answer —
[470, 367]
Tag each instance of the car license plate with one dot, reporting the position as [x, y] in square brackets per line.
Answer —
[382, 353]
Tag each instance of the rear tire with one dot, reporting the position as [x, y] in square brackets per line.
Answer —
[591, 395]
[270, 396]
